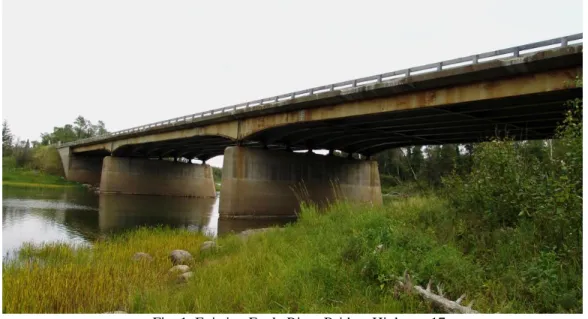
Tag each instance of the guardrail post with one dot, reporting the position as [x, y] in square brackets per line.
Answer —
[331, 87]
[293, 95]
[311, 92]
[354, 84]
[564, 42]
[440, 66]
[379, 80]
[407, 72]
[516, 53]
[475, 59]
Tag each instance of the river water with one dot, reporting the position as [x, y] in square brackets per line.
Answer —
[72, 215]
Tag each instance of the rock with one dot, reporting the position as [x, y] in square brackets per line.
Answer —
[179, 257]
[179, 269]
[207, 245]
[142, 256]
[185, 276]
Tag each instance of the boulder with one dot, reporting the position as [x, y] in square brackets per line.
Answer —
[180, 257]
[185, 276]
[179, 269]
[142, 256]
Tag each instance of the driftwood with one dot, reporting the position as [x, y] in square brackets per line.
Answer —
[438, 299]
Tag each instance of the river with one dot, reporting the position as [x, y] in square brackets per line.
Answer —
[78, 216]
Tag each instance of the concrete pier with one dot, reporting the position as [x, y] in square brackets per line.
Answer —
[271, 184]
[81, 169]
[126, 175]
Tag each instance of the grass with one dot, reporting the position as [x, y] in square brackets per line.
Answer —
[324, 263]
[22, 177]
[36, 185]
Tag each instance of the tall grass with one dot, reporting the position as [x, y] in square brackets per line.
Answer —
[325, 262]
[59, 278]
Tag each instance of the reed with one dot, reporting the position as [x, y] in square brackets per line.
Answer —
[345, 259]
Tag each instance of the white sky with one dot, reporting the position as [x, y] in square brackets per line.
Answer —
[130, 63]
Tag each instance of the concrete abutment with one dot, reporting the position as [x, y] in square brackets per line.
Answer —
[139, 176]
[81, 169]
[271, 184]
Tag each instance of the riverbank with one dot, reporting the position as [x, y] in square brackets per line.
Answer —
[345, 260]
[23, 177]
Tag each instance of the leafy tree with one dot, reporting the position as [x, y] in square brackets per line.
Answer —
[81, 128]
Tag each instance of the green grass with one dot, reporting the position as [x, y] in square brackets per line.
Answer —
[324, 263]
[21, 177]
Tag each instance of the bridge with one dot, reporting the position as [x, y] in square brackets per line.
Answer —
[519, 91]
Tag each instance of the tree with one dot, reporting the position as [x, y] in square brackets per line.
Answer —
[6, 139]
[80, 129]
[22, 153]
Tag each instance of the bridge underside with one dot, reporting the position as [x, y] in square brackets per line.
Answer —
[526, 117]
[523, 117]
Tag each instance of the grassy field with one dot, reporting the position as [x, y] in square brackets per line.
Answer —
[22, 177]
[324, 263]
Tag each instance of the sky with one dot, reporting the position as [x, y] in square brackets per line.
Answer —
[130, 63]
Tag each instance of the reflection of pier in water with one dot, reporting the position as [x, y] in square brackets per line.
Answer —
[121, 212]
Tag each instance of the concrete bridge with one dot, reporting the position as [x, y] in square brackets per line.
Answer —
[520, 91]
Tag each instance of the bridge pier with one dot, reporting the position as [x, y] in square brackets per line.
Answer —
[264, 184]
[127, 175]
[81, 169]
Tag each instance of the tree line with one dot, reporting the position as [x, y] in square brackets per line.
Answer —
[428, 165]
[40, 155]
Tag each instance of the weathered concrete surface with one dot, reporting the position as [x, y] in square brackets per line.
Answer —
[79, 168]
[264, 184]
[152, 177]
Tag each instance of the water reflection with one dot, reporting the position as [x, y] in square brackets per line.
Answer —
[121, 212]
[77, 216]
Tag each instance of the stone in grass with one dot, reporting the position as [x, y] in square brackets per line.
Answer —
[142, 256]
[185, 276]
[179, 269]
[207, 245]
[179, 257]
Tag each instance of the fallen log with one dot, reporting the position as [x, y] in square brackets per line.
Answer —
[437, 299]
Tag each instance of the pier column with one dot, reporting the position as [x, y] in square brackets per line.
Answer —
[81, 169]
[264, 184]
[126, 175]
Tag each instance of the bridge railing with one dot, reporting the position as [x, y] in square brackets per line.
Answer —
[516, 51]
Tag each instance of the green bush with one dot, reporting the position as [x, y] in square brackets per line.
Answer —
[47, 160]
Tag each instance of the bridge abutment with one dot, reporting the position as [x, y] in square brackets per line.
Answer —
[126, 175]
[81, 169]
[264, 184]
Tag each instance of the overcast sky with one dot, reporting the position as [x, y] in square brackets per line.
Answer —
[130, 63]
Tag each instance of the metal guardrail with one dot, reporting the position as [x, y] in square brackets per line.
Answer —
[379, 78]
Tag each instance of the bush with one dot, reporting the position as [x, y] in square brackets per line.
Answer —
[47, 159]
